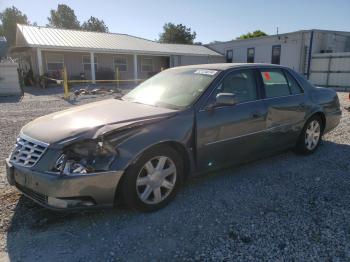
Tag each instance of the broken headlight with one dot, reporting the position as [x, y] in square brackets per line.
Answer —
[86, 157]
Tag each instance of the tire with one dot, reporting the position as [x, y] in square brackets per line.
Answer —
[153, 180]
[308, 141]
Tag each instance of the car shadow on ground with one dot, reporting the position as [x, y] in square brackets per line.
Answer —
[211, 209]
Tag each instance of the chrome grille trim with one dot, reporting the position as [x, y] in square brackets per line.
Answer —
[27, 151]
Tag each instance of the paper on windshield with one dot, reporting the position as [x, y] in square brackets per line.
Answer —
[205, 72]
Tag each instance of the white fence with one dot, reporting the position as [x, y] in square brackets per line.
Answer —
[331, 69]
[9, 82]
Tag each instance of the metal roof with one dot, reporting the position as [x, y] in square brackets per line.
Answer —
[53, 38]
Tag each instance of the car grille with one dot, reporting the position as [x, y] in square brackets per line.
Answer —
[27, 151]
[32, 194]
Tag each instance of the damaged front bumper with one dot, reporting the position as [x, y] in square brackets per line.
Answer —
[62, 192]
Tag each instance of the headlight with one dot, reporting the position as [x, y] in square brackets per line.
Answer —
[85, 157]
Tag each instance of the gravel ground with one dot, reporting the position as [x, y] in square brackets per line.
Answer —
[286, 207]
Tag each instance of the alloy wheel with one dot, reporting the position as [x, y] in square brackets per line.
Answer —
[312, 134]
[156, 180]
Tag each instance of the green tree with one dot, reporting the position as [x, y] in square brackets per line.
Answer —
[63, 17]
[95, 24]
[256, 33]
[9, 18]
[177, 34]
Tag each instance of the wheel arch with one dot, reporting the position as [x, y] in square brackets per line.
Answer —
[177, 146]
[322, 116]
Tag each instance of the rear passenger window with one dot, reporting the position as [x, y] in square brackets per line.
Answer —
[275, 83]
[293, 84]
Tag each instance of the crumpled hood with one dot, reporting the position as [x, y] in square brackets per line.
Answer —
[69, 123]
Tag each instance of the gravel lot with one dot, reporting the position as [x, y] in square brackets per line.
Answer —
[286, 207]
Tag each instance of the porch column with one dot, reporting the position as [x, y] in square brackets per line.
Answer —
[92, 63]
[40, 61]
[135, 69]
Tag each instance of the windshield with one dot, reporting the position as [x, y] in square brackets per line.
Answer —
[172, 88]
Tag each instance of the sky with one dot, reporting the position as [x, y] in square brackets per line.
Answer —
[218, 20]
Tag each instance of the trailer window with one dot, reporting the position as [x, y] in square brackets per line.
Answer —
[276, 55]
[229, 56]
[250, 55]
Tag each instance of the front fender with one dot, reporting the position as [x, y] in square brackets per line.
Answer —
[177, 129]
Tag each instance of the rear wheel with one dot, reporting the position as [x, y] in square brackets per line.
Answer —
[310, 136]
[153, 181]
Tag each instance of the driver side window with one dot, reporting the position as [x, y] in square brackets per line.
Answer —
[240, 83]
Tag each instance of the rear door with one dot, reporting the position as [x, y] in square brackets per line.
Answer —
[231, 134]
[286, 107]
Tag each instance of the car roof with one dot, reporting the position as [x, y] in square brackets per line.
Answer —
[225, 66]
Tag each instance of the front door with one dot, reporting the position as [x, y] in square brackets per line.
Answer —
[231, 134]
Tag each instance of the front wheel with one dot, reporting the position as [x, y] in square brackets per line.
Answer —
[310, 136]
[153, 181]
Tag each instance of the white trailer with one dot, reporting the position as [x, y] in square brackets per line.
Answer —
[331, 70]
[295, 49]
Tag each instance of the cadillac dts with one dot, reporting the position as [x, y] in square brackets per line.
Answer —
[139, 148]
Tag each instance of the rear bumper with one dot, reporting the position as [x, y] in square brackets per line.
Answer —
[53, 191]
[332, 120]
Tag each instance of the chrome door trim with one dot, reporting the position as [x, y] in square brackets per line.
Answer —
[252, 133]
[247, 102]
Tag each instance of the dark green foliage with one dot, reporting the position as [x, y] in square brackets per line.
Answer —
[177, 34]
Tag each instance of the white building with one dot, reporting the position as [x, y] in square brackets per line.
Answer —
[295, 49]
[46, 51]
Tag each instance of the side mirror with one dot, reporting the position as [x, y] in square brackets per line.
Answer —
[225, 99]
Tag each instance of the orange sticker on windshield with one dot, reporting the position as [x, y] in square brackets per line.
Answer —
[267, 76]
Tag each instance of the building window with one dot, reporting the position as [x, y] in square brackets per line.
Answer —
[250, 55]
[276, 54]
[121, 62]
[146, 65]
[229, 56]
[54, 62]
[87, 63]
